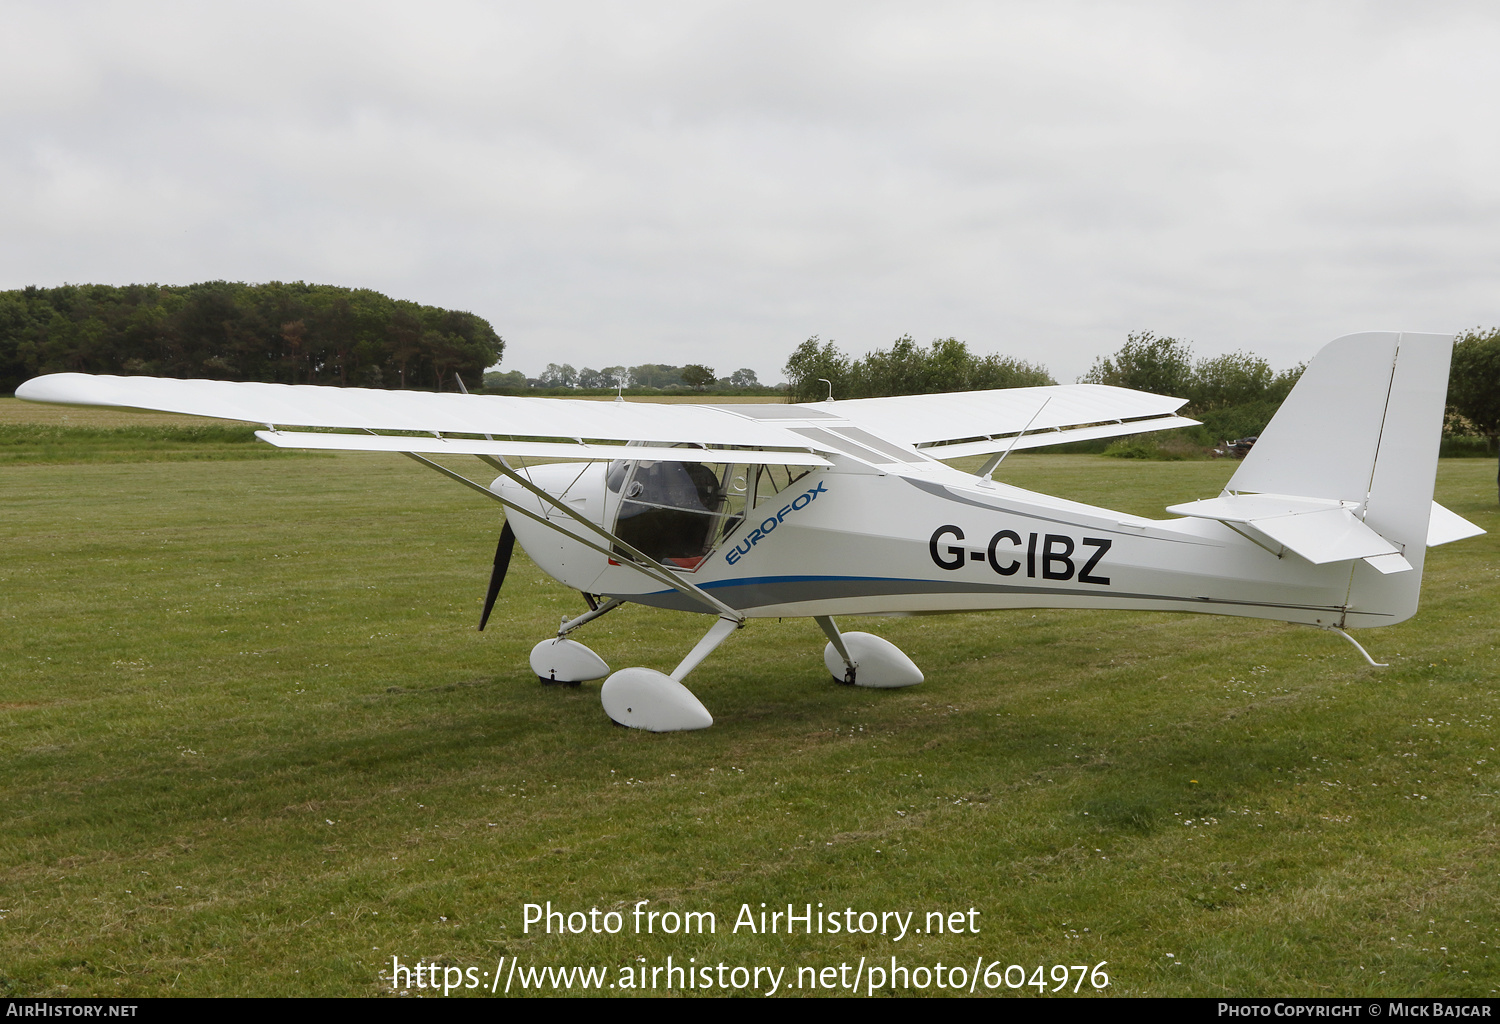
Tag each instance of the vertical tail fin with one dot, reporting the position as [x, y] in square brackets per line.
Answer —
[1363, 425]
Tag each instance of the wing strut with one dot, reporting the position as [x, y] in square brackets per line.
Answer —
[641, 563]
[987, 470]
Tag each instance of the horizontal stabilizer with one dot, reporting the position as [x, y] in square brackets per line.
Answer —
[1445, 527]
[1244, 508]
[1333, 535]
[1320, 530]
[529, 449]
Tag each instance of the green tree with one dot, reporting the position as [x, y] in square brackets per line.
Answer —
[948, 366]
[1234, 378]
[404, 344]
[655, 375]
[555, 376]
[1282, 384]
[1162, 366]
[901, 369]
[292, 332]
[997, 371]
[1474, 382]
[811, 361]
[744, 377]
[15, 325]
[906, 368]
[514, 380]
[696, 375]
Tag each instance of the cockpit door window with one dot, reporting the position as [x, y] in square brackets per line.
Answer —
[671, 511]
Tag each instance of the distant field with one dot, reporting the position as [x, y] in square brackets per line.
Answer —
[693, 399]
[251, 743]
[14, 411]
[32, 432]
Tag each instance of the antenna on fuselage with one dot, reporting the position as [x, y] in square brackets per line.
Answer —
[825, 380]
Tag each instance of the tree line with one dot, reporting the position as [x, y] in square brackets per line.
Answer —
[1239, 390]
[646, 377]
[298, 333]
[1234, 395]
[1474, 387]
[290, 333]
[906, 368]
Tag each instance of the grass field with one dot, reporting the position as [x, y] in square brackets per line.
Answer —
[251, 743]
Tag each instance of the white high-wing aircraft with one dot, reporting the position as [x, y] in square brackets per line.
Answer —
[845, 508]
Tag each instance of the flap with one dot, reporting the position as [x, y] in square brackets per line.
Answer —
[530, 449]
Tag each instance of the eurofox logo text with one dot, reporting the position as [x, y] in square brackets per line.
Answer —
[763, 531]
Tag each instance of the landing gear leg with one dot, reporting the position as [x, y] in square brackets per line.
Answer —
[643, 698]
[563, 662]
[836, 641]
[866, 659]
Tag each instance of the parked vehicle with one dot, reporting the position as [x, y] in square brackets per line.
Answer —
[1237, 448]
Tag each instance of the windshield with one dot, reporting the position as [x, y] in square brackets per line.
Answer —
[678, 512]
[670, 511]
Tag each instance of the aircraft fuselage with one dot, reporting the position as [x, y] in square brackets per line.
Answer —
[928, 539]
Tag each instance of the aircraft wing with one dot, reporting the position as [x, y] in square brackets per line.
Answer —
[486, 424]
[961, 423]
[944, 426]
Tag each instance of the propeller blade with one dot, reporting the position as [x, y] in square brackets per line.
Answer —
[497, 576]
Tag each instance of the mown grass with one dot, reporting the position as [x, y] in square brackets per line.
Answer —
[31, 432]
[250, 743]
[15, 411]
[40, 443]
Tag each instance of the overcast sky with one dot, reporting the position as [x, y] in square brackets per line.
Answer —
[698, 182]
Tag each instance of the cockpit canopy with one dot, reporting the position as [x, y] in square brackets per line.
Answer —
[668, 510]
[678, 512]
